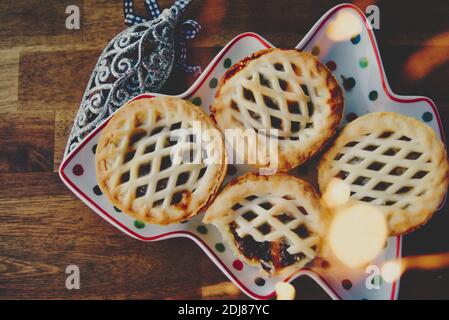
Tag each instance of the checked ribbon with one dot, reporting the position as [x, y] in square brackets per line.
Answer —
[187, 30]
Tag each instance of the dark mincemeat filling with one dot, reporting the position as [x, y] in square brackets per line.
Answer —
[269, 254]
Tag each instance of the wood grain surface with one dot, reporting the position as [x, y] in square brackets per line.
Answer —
[44, 69]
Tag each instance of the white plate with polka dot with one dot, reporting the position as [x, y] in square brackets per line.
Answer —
[356, 64]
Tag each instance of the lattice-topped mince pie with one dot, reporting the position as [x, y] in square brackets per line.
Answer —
[287, 90]
[149, 162]
[393, 162]
[272, 222]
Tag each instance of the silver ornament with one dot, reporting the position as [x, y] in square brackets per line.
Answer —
[137, 60]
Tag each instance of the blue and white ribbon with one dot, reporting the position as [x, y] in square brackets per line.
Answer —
[188, 30]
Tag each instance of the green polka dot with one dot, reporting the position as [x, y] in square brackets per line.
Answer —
[316, 50]
[213, 83]
[201, 229]
[373, 95]
[363, 63]
[427, 116]
[139, 224]
[220, 247]
[197, 101]
[227, 63]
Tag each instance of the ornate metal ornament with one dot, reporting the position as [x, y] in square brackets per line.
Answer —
[137, 60]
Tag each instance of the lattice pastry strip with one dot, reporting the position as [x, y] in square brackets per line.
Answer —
[283, 217]
[273, 222]
[393, 162]
[286, 90]
[160, 158]
[151, 162]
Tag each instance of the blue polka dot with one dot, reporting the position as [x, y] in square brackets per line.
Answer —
[427, 116]
[348, 83]
[227, 63]
[373, 95]
[213, 83]
[346, 284]
[356, 39]
[260, 282]
[197, 101]
[201, 229]
[97, 191]
[220, 247]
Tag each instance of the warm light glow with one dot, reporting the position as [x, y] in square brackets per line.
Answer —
[344, 27]
[285, 291]
[220, 289]
[391, 271]
[433, 54]
[363, 3]
[337, 193]
[431, 261]
[357, 234]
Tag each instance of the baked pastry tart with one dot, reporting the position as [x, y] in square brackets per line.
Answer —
[272, 222]
[149, 162]
[393, 162]
[280, 95]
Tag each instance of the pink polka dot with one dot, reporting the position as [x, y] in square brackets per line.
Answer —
[238, 265]
[331, 65]
[78, 170]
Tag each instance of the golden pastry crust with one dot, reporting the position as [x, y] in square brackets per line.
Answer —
[273, 222]
[134, 156]
[393, 162]
[280, 89]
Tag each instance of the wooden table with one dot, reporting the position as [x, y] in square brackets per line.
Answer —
[43, 72]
